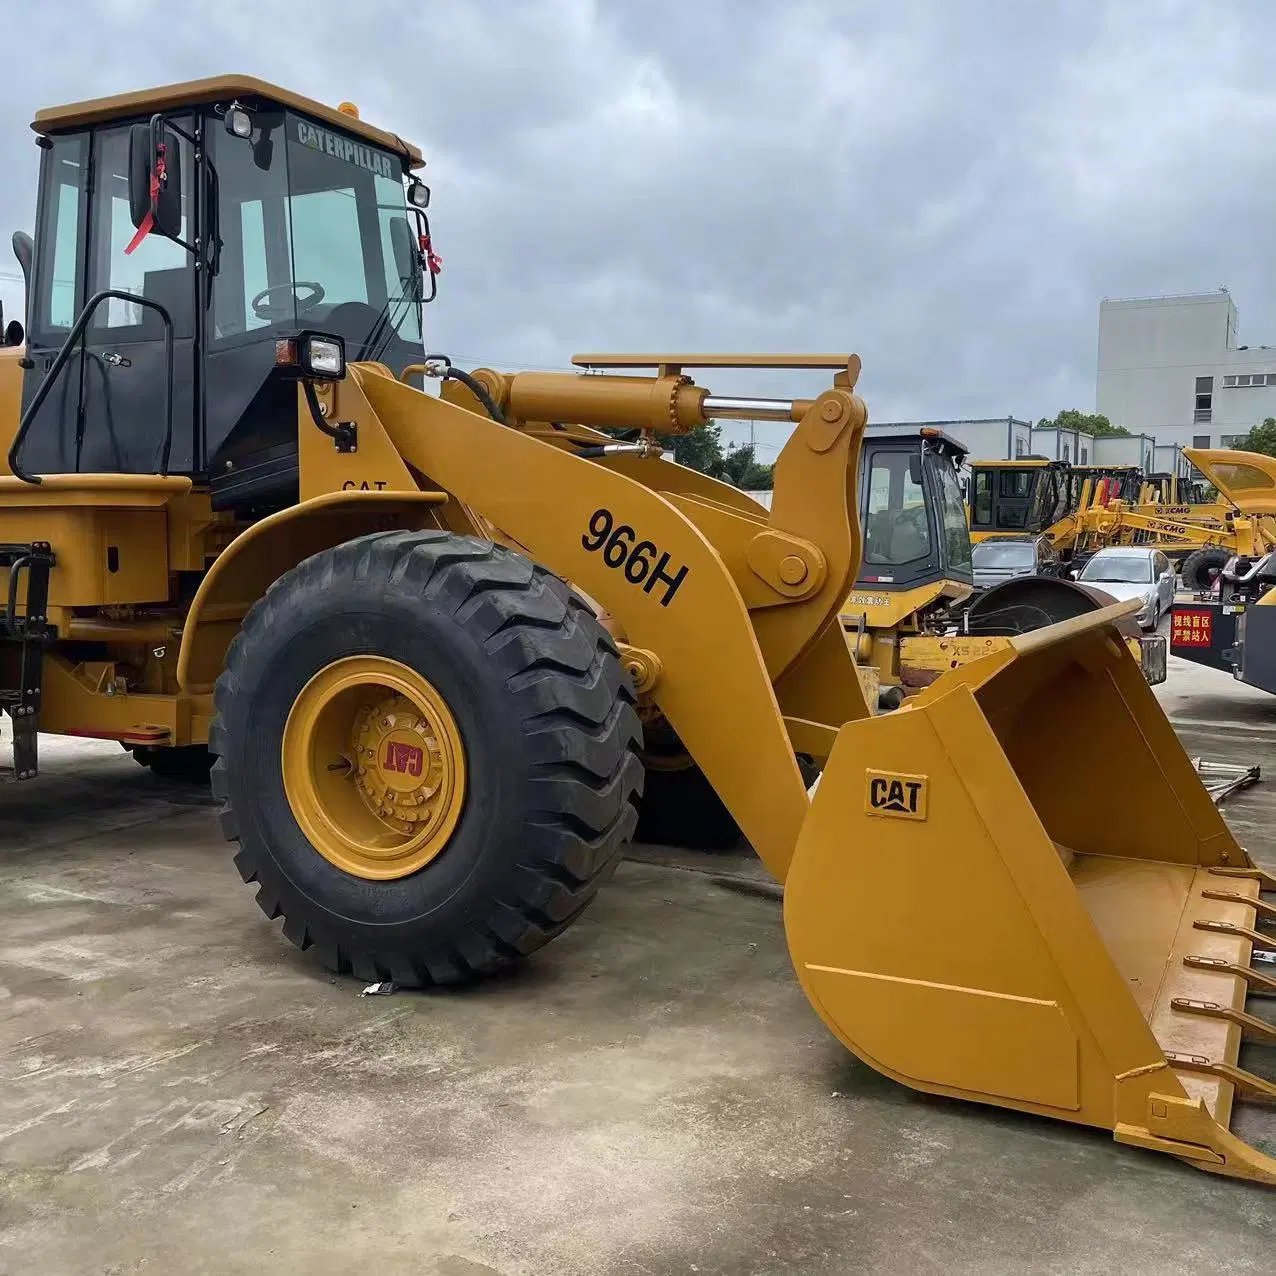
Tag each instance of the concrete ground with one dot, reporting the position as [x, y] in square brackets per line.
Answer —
[181, 1091]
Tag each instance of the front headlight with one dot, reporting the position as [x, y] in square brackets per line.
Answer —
[323, 357]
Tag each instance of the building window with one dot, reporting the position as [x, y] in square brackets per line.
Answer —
[1065, 452]
[1204, 400]
[1019, 448]
[1232, 440]
[1228, 382]
[1085, 456]
[1200, 440]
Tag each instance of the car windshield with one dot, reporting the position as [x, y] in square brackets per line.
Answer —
[1118, 569]
[998, 556]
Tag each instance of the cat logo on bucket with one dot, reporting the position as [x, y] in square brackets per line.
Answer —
[890, 793]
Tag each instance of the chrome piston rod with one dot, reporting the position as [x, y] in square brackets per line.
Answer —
[729, 409]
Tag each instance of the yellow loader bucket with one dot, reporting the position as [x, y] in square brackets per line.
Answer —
[1016, 890]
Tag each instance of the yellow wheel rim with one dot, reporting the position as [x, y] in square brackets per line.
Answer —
[374, 767]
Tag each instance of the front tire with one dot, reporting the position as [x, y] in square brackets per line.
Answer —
[519, 802]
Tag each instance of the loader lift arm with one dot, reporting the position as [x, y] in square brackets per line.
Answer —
[674, 569]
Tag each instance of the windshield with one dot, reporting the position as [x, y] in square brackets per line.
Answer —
[952, 515]
[1120, 569]
[1048, 500]
[315, 234]
[896, 528]
[999, 556]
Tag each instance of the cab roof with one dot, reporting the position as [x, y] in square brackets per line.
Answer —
[1021, 463]
[946, 441]
[218, 88]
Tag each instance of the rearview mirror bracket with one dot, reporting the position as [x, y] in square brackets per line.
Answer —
[155, 181]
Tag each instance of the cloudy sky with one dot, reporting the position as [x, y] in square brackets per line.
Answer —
[947, 187]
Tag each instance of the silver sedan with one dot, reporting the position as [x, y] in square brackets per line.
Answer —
[1134, 571]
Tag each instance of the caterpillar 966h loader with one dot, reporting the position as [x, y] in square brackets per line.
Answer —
[231, 521]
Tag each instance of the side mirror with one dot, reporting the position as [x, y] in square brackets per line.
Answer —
[1074, 574]
[155, 179]
[407, 258]
[13, 334]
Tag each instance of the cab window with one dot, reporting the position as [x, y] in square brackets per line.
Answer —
[59, 275]
[157, 268]
[952, 516]
[310, 220]
[981, 513]
[896, 528]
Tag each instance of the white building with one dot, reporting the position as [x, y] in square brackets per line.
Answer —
[1170, 367]
[1131, 449]
[1063, 445]
[988, 439]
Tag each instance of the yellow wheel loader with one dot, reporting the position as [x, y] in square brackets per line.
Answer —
[914, 612]
[231, 521]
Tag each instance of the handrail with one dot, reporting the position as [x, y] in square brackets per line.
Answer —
[75, 337]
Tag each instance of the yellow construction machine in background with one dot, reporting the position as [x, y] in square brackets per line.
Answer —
[230, 520]
[915, 612]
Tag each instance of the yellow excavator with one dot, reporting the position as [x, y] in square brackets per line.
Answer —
[423, 637]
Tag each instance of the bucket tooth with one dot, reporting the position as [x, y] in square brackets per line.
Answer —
[1230, 928]
[1252, 1028]
[1260, 985]
[1248, 1086]
[1266, 912]
[1265, 880]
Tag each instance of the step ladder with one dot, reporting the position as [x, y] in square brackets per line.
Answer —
[24, 633]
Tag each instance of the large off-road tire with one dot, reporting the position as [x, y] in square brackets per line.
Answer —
[1201, 568]
[189, 764]
[468, 672]
[679, 806]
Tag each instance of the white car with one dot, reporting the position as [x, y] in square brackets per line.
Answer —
[1134, 571]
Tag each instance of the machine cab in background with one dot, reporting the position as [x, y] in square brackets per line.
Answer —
[915, 532]
[1024, 496]
[281, 217]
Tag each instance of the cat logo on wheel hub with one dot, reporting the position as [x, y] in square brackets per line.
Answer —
[374, 767]
[891, 793]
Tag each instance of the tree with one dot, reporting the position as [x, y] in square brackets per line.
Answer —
[741, 468]
[701, 450]
[1087, 422]
[1261, 438]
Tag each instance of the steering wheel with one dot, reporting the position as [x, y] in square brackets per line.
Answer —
[263, 308]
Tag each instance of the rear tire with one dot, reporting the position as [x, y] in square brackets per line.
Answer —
[680, 807]
[189, 764]
[545, 716]
[1201, 568]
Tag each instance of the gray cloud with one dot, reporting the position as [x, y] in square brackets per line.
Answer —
[947, 188]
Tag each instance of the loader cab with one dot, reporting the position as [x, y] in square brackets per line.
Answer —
[913, 519]
[226, 220]
[1020, 497]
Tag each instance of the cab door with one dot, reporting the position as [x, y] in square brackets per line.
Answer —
[57, 293]
[125, 364]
